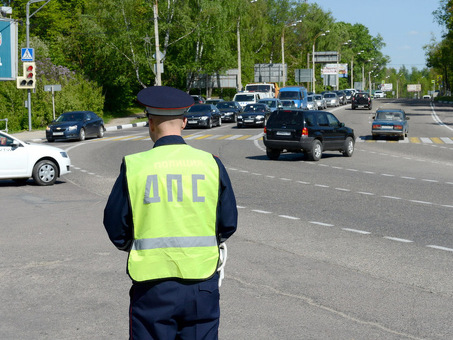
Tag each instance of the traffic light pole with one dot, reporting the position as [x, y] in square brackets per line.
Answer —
[28, 46]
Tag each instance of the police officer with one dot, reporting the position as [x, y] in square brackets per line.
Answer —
[170, 208]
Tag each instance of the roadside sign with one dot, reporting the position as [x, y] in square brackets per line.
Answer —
[27, 54]
[50, 88]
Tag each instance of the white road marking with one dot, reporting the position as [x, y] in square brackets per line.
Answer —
[398, 239]
[290, 217]
[439, 247]
[357, 231]
[262, 211]
[321, 224]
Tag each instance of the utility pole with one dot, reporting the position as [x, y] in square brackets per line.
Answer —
[156, 38]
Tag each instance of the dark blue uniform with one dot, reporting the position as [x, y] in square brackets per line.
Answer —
[170, 309]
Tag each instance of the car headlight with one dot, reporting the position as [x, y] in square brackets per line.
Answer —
[47, 128]
[240, 117]
[204, 118]
[74, 127]
[64, 154]
[259, 117]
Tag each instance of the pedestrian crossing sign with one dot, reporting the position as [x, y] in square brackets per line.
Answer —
[27, 54]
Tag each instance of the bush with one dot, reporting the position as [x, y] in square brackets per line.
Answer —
[76, 93]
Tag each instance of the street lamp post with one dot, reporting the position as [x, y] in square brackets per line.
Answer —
[238, 36]
[313, 58]
[283, 49]
[27, 33]
[352, 69]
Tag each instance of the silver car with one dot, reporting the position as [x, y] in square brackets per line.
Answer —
[331, 99]
[321, 101]
[311, 103]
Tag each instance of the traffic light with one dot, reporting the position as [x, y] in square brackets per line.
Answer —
[28, 80]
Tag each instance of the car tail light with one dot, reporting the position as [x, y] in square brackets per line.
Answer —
[376, 126]
[304, 131]
[397, 127]
[265, 130]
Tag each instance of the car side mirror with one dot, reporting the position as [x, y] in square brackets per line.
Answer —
[341, 124]
[407, 118]
[374, 117]
[15, 143]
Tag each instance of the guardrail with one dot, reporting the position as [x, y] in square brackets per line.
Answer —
[6, 124]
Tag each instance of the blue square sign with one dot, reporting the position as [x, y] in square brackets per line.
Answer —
[27, 54]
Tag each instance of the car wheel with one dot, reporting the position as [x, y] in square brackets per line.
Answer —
[45, 172]
[100, 131]
[348, 147]
[239, 126]
[273, 154]
[50, 140]
[353, 107]
[315, 153]
[220, 122]
[235, 119]
[82, 135]
[369, 107]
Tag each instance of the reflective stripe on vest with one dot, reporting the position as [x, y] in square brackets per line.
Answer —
[175, 242]
[173, 190]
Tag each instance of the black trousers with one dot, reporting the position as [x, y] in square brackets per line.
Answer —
[173, 310]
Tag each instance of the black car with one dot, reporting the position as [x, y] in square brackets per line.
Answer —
[76, 125]
[198, 99]
[361, 99]
[310, 132]
[203, 115]
[254, 115]
[229, 111]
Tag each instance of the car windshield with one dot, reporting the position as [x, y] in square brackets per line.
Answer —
[288, 103]
[398, 116]
[318, 97]
[71, 117]
[329, 95]
[288, 118]
[244, 97]
[226, 105]
[254, 108]
[258, 88]
[289, 95]
[270, 103]
[310, 98]
[199, 108]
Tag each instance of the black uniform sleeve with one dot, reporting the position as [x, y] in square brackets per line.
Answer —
[118, 215]
[227, 214]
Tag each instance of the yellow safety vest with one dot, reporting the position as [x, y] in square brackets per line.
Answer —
[173, 190]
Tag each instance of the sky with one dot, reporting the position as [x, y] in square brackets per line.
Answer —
[405, 25]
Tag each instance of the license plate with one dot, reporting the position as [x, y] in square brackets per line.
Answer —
[283, 133]
[58, 133]
[385, 127]
[248, 120]
[192, 121]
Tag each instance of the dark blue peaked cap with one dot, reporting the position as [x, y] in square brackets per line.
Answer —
[164, 100]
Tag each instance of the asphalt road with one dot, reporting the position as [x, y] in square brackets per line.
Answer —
[343, 248]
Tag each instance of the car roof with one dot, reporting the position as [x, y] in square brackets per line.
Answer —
[390, 110]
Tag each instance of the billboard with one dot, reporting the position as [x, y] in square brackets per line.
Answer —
[8, 49]
[414, 87]
[385, 87]
[341, 69]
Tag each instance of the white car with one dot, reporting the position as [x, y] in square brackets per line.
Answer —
[379, 94]
[19, 161]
